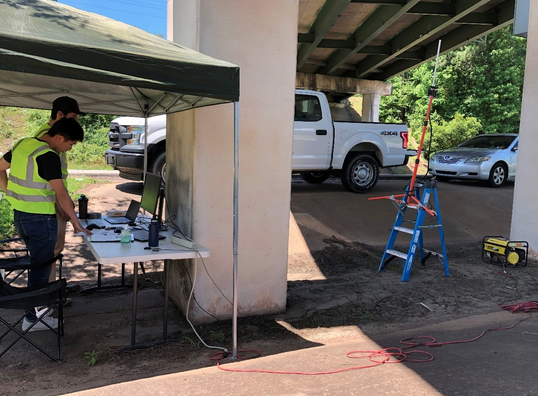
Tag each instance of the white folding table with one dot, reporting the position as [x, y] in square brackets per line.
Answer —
[120, 253]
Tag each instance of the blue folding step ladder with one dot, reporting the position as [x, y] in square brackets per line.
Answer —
[421, 206]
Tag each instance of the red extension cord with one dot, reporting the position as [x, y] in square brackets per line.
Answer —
[386, 355]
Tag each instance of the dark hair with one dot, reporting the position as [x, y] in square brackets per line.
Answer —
[69, 128]
[54, 113]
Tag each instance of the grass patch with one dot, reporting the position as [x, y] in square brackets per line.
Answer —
[88, 156]
[77, 183]
[7, 229]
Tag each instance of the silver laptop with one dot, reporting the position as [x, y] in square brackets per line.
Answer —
[129, 217]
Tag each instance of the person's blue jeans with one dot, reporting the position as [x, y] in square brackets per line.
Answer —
[39, 233]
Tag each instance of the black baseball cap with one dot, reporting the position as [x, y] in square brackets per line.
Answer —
[67, 104]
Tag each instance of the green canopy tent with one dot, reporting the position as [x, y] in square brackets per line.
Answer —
[49, 50]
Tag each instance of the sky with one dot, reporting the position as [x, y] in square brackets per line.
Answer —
[148, 15]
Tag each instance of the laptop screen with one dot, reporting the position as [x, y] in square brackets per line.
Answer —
[132, 212]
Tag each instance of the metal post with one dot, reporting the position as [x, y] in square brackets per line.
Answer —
[431, 95]
[146, 109]
[235, 227]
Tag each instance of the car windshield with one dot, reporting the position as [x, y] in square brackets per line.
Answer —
[489, 142]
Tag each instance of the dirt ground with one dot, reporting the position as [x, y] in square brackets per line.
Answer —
[333, 295]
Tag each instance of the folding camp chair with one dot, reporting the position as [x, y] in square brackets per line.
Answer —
[13, 261]
[51, 295]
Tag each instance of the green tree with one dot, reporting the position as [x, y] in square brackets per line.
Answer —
[485, 80]
[481, 82]
[450, 133]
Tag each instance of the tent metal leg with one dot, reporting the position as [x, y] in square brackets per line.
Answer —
[235, 227]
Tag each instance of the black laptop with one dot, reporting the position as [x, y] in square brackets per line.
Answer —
[129, 217]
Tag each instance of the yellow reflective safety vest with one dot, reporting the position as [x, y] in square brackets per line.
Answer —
[26, 190]
[63, 156]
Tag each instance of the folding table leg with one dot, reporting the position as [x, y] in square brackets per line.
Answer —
[135, 293]
[165, 313]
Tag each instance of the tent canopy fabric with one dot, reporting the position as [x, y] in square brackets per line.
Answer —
[49, 50]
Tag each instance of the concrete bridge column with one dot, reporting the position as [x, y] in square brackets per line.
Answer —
[261, 37]
[370, 107]
[525, 210]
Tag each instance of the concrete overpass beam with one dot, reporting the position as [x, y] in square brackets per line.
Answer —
[346, 86]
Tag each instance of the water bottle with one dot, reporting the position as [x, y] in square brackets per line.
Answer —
[83, 207]
[125, 236]
[153, 233]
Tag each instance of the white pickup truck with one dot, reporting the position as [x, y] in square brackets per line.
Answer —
[322, 147]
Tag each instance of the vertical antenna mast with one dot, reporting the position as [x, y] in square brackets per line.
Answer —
[431, 93]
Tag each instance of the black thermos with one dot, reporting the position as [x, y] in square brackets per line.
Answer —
[83, 207]
[153, 233]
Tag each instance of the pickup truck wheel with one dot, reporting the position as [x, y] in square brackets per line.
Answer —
[360, 173]
[159, 165]
[315, 177]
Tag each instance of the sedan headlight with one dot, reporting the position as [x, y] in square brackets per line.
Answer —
[478, 159]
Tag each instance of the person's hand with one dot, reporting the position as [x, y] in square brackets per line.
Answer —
[78, 228]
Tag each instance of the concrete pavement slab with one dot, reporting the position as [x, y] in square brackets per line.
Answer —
[499, 363]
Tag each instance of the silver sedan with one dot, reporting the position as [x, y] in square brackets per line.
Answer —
[490, 157]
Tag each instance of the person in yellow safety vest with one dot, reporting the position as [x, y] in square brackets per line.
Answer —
[35, 183]
[62, 107]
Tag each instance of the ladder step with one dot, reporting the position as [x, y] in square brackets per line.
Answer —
[396, 253]
[440, 255]
[423, 207]
[405, 229]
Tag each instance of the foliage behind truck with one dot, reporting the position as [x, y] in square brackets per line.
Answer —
[353, 151]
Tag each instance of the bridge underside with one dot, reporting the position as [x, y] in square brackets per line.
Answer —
[379, 39]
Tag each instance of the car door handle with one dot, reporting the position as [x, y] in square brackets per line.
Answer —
[321, 132]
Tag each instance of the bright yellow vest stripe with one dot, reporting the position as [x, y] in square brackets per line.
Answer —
[26, 190]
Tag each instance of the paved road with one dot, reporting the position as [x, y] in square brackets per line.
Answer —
[469, 211]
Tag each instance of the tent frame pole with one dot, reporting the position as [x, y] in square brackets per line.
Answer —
[145, 147]
[146, 111]
[235, 227]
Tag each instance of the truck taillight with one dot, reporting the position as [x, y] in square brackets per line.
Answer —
[404, 136]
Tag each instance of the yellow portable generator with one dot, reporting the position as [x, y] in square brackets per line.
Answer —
[496, 249]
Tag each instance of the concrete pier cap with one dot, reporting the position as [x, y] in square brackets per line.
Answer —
[339, 89]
